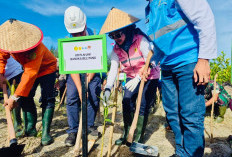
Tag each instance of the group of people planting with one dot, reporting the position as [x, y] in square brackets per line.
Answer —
[183, 38]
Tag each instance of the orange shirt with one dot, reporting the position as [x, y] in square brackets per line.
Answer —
[36, 63]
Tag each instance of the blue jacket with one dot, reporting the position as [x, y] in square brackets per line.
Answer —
[175, 38]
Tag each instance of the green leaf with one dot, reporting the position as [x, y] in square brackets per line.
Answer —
[108, 120]
[105, 112]
[39, 134]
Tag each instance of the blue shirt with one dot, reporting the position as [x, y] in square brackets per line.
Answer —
[183, 31]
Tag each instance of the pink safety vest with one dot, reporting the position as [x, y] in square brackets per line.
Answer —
[135, 61]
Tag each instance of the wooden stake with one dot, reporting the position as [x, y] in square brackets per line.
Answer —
[79, 133]
[139, 99]
[65, 90]
[212, 110]
[78, 139]
[10, 125]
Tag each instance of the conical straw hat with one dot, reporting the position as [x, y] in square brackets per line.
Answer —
[116, 20]
[17, 36]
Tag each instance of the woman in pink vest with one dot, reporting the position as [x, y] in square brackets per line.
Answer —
[131, 50]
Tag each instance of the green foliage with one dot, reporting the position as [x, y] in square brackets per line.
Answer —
[106, 107]
[221, 65]
[54, 51]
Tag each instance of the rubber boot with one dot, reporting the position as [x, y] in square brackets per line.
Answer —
[22, 132]
[47, 115]
[140, 129]
[222, 111]
[127, 120]
[30, 122]
[17, 119]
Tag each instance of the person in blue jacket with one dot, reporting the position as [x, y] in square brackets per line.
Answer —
[185, 40]
[75, 23]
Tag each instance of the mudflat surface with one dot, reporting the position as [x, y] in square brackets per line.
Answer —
[155, 135]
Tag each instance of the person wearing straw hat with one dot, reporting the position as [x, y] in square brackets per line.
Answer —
[131, 49]
[75, 23]
[185, 37]
[23, 41]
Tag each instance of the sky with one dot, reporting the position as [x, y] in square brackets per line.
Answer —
[48, 15]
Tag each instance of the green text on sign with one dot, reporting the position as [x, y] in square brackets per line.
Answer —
[86, 54]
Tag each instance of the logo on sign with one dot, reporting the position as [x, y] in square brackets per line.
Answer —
[78, 48]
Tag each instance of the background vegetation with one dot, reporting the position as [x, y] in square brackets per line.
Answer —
[221, 65]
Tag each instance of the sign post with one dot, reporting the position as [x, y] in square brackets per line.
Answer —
[86, 54]
[84, 115]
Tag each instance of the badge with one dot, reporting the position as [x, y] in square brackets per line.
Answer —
[136, 50]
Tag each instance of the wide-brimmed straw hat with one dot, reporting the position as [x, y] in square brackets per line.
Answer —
[17, 36]
[116, 20]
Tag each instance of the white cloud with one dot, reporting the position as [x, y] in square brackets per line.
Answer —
[92, 8]
[47, 8]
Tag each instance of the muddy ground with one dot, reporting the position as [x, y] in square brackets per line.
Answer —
[155, 135]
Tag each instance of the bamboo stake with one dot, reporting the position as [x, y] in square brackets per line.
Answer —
[113, 116]
[212, 110]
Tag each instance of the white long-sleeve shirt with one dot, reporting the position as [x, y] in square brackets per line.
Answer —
[200, 15]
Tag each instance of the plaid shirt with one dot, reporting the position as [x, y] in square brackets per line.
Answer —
[223, 96]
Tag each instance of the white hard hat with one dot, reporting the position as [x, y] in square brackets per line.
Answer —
[74, 19]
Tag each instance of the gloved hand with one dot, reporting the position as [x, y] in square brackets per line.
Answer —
[132, 84]
[106, 95]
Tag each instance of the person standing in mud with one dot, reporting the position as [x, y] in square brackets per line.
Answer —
[185, 39]
[23, 41]
[75, 23]
[131, 50]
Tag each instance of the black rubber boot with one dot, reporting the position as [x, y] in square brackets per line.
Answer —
[47, 115]
[127, 119]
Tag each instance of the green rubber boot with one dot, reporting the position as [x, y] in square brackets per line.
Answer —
[21, 133]
[17, 119]
[140, 129]
[30, 122]
[222, 111]
[47, 116]
[127, 120]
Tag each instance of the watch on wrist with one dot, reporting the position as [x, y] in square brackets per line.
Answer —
[14, 98]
